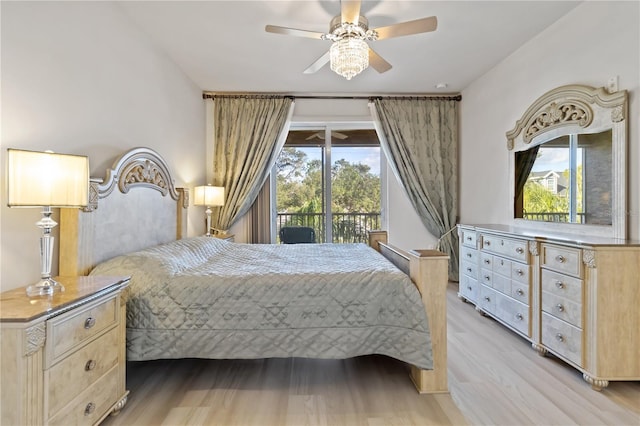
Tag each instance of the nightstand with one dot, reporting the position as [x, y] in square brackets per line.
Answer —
[63, 356]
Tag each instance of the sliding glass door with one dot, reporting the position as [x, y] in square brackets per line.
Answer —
[329, 179]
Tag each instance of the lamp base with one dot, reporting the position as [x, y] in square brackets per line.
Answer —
[44, 287]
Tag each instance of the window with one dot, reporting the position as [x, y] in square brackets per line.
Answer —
[330, 176]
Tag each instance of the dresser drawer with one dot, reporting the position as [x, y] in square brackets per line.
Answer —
[468, 288]
[502, 266]
[513, 313]
[562, 308]
[470, 269]
[562, 285]
[487, 299]
[513, 249]
[562, 259]
[468, 254]
[501, 283]
[74, 374]
[520, 272]
[562, 338]
[91, 404]
[468, 238]
[72, 329]
[520, 292]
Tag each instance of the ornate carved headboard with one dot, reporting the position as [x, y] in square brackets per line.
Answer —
[134, 207]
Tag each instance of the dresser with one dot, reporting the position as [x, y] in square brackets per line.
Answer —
[63, 356]
[576, 300]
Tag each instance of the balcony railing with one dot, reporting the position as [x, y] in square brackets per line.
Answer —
[346, 227]
[553, 217]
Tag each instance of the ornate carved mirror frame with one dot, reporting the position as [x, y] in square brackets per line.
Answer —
[576, 109]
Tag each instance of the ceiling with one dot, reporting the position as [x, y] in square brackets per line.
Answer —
[222, 45]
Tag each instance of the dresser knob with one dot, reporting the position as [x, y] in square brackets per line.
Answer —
[519, 250]
[469, 255]
[487, 298]
[560, 284]
[487, 278]
[469, 288]
[560, 258]
[468, 269]
[519, 317]
[487, 243]
[90, 365]
[89, 322]
[520, 292]
[520, 272]
[90, 408]
[559, 337]
[469, 238]
[487, 261]
[559, 307]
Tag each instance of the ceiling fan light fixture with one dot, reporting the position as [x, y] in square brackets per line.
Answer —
[349, 56]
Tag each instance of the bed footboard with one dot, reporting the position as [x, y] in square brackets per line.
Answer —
[429, 271]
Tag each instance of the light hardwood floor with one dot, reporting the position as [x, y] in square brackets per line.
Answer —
[494, 378]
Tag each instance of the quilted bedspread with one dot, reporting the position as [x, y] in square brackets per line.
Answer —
[208, 298]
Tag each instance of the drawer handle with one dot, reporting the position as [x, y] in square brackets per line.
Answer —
[469, 269]
[487, 261]
[559, 307]
[90, 365]
[519, 250]
[519, 317]
[469, 288]
[559, 337]
[487, 298]
[520, 272]
[89, 322]
[469, 255]
[487, 278]
[520, 292]
[560, 284]
[560, 258]
[487, 243]
[89, 409]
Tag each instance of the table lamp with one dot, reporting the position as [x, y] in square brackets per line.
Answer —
[210, 196]
[46, 180]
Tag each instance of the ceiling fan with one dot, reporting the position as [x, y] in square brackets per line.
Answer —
[320, 135]
[349, 32]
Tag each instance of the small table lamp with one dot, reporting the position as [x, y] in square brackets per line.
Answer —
[209, 196]
[46, 179]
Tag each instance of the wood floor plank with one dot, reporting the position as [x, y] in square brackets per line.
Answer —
[495, 378]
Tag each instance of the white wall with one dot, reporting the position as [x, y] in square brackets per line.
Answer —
[593, 42]
[80, 78]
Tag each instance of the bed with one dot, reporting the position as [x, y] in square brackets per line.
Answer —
[204, 297]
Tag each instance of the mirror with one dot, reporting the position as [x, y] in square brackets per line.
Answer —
[568, 163]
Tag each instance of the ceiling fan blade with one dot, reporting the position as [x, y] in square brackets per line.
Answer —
[423, 25]
[350, 11]
[321, 62]
[292, 31]
[377, 62]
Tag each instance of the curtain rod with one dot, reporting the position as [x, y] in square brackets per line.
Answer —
[213, 95]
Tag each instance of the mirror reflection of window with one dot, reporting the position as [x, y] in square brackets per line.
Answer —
[567, 179]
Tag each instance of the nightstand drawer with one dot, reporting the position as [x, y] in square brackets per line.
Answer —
[77, 372]
[91, 404]
[72, 329]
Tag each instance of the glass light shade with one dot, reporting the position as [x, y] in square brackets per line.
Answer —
[38, 179]
[208, 196]
[349, 56]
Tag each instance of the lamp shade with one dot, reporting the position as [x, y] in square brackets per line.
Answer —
[208, 196]
[37, 179]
